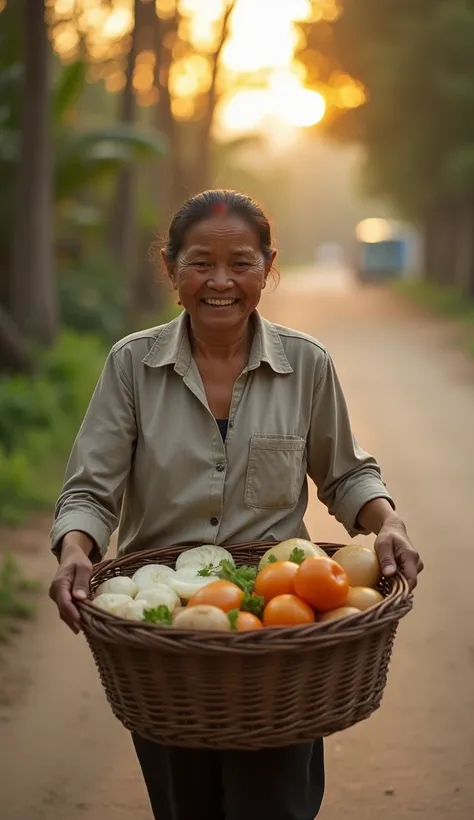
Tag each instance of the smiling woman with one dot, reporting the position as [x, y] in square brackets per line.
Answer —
[205, 430]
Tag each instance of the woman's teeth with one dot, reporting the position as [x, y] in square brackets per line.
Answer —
[220, 302]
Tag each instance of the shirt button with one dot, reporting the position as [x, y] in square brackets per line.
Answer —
[220, 467]
[231, 423]
[214, 521]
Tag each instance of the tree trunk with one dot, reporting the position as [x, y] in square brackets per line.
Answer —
[14, 353]
[33, 288]
[124, 226]
[170, 189]
[203, 165]
[464, 268]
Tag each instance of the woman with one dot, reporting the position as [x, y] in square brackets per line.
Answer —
[204, 430]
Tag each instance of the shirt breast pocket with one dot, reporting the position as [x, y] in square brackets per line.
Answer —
[275, 471]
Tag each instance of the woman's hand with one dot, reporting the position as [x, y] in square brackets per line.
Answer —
[395, 551]
[71, 583]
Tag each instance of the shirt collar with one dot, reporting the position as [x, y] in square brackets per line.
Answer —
[172, 346]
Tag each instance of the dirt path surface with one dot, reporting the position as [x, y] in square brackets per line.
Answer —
[411, 396]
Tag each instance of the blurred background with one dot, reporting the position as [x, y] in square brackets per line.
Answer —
[352, 123]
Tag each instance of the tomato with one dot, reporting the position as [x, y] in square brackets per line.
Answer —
[287, 610]
[362, 597]
[222, 594]
[276, 579]
[321, 583]
[360, 564]
[246, 621]
[339, 612]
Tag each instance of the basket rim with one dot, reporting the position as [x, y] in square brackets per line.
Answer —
[112, 628]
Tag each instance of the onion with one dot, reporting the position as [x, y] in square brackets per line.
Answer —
[362, 598]
[202, 617]
[109, 602]
[159, 595]
[152, 574]
[205, 556]
[340, 612]
[361, 565]
[133, 611]
[121, 585]
[186, 582]
[283, 550]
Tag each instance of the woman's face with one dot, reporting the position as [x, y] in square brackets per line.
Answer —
[220, 272]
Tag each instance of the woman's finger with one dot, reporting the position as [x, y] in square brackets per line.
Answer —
[386, 555]
[60, 592]
[409, 567]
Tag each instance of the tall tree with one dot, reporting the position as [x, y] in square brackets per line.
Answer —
[33, 292]
[416, 62]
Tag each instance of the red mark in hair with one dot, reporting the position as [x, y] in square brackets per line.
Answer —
[220, 208]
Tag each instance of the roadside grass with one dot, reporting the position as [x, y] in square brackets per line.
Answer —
[444, 301]
[17, 596]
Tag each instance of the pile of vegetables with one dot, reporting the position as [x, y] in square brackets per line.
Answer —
[295, 583]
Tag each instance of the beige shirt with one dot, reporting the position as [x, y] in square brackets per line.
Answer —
[149, 455]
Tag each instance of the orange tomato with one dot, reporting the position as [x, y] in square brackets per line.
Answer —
[321, 583]
[222, 594]
[246, 621]
[287, 610]
[276, 579]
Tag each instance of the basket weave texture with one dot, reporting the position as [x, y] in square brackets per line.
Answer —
[246, 690]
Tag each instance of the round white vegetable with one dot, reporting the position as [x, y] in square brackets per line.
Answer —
[202, 617]
[133, 610]
[159, 595]
[121, 585]
[109, 602]
[283, 550]
[199, 557]
[186, 582]
[152, 574]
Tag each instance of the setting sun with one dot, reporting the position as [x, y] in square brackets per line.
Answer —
[258, 80]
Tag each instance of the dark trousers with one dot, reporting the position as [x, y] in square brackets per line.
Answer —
[270, 784]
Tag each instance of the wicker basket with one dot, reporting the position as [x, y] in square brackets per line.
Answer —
[247, 690]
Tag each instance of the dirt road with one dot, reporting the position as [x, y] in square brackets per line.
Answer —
[411, 395]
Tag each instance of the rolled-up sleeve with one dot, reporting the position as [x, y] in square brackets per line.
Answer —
[345, 475]
[99, 463]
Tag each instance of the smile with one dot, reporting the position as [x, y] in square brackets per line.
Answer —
[220, 302]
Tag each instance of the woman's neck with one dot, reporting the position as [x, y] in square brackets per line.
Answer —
[225, 346]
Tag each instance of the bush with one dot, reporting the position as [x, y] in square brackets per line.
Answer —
[39, 418]
[93, 299]
[15, 595]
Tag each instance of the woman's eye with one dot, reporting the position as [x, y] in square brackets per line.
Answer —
[202, 264]
[242, 264]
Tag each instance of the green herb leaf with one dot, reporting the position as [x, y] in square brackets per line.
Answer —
[244, 576]
[233, 617]
[253, 603]
[158, 615]
[272, 559]
[207, 570]
[297, 556]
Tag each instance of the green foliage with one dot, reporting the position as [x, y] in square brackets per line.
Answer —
[39, 417]
[416, 60]
[93, 298]
[15, 595]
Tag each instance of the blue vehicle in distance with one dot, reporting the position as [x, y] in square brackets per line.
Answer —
[381, 251]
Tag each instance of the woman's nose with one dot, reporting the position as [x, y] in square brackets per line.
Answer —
[220, 278]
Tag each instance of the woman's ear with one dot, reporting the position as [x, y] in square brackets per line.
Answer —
[169, 268]
[269, 262]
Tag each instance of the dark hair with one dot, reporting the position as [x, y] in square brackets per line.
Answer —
[208, 204]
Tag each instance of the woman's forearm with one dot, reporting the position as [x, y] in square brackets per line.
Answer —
[75, 540]
[375, 514]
